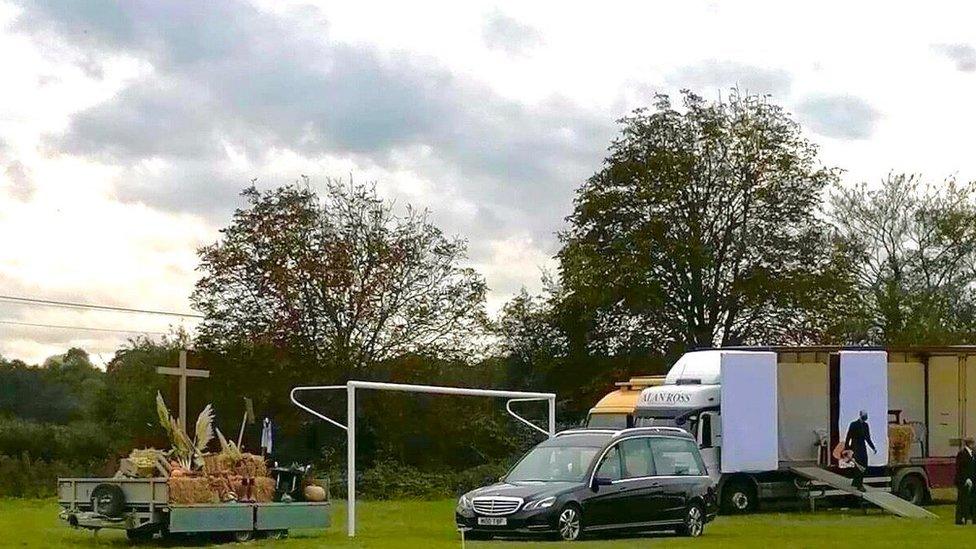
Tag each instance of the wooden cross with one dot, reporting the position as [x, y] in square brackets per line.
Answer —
[183, 373]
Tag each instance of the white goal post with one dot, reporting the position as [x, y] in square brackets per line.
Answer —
[351, 386]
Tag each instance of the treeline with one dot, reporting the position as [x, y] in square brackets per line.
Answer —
[710, 223]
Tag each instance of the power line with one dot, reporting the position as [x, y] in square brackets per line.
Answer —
[63, 327]
[51, 303]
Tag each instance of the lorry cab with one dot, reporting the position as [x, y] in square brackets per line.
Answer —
[690, 406]
[617, 410]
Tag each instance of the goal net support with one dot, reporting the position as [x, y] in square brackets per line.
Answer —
[350, 428]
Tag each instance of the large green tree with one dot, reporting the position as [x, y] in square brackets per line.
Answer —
[703, 228]
[915, 244]
[340, 277]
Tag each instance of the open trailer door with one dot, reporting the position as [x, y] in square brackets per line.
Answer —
[864, 386]
[750, 439]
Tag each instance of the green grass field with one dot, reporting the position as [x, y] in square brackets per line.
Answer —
[429, 525]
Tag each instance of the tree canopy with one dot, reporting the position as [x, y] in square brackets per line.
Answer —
[341, 277]
[703, 228]
[915, 247]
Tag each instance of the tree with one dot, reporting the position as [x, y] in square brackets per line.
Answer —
[703, 228]
[531, 340]
[340, 278]
[915, 245]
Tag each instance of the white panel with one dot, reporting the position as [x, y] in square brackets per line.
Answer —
[906, 392]
[943, 405]
[804, 409]
[749, 416]
[864, 386]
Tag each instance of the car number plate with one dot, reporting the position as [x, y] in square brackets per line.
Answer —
[492, 521]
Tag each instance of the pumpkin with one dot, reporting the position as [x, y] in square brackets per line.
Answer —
[314, 493]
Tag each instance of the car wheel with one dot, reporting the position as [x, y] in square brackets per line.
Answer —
[739, 496]
[569, 523]
[108, 500]
[694, 522]
[912, 489]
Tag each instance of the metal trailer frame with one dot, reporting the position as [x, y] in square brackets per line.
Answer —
[351, 386]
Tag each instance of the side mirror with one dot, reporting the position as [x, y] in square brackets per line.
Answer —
[600, 481]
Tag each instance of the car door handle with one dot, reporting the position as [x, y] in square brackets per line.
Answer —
[655, 485]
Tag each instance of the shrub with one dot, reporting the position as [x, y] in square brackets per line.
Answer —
[34, 478]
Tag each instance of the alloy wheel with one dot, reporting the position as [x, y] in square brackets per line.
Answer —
[694, 522]
[569, 524]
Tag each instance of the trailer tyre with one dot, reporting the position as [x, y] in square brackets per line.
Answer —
[243, 536]
[912, 489]
[139, 535]
[739, 496]
[108, 500]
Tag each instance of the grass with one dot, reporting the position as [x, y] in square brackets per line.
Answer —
[429, 525]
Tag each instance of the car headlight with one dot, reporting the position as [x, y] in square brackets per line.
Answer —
[540, 503]
[464, 504]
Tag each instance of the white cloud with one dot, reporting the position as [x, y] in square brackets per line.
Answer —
[124, 140]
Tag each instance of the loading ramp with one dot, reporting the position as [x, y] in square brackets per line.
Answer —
[885, 500]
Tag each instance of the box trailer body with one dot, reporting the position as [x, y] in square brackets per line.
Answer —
[146, 510]
[759, 413]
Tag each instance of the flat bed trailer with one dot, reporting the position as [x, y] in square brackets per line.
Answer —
[141, 507]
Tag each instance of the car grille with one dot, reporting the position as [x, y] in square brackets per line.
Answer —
[496, 505]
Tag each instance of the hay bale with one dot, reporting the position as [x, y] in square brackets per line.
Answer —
[245, 465]
[251, 465]
[262, 491]
[190, 490]
[900, 438]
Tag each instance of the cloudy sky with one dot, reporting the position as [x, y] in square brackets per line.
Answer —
[127, 129]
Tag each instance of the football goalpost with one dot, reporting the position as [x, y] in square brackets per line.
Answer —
[350, 428]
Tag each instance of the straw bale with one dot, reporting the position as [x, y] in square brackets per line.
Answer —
[900, 439]
[190, 490]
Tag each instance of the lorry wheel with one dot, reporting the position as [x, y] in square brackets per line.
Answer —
[739, 496]
[108, 500]
[243, 535]
[912, 489]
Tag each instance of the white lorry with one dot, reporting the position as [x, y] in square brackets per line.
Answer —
[766, 419]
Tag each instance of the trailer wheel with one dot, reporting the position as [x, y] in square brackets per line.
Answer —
[139, 535]
[739, 496]
[108, 500]
[243, 535]
[912, 489]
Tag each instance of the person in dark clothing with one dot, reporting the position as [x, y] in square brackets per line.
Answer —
[965, 477]
[857, 441]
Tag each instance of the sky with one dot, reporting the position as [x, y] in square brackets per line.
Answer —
[128, 129]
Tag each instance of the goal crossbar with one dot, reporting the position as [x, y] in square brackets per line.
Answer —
[350, 427]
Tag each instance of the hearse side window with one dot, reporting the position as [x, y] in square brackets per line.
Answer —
[676, 457]
[610, 466]
[638, 462]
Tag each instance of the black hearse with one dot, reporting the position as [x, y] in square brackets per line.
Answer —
[589, 480]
